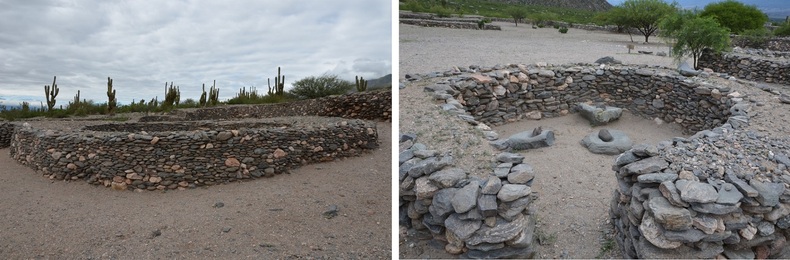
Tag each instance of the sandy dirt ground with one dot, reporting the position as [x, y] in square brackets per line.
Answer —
[573, 185]
[274, 218]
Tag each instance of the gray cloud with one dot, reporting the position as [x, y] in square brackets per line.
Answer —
[143, 44]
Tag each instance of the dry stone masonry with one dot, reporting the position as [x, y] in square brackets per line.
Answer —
[755, 65]
[6, 129]
[202, 147]
[477, 217]
[430, 20]
[722, 192]
[504, 94]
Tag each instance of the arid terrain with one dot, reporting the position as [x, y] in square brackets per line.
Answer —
[573, 186]
[272, 218]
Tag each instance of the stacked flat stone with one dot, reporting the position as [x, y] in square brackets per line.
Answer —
[431, 20]
[158, 156]
[750, 67]
[488, 217]
[503, 94]
[372, 105]
[722, 192]
[6, 130]
[778, 44]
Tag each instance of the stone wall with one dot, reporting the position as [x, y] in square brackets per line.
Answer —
[506, 94]
[750, 67]
[372, 105]
[157, 156]
[722, 192]
[152, 154]
[6, 130]
[774, 44]
[477, 217]
[431, 20]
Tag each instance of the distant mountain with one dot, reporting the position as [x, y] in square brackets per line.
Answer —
[592, 5]
[382, 82]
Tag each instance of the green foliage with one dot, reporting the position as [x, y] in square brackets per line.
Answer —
[754, 38]
[643, 15]
[694, 34]
[541, 19]
[563, 29]
[517, 13]
[735, 15]
[783, 30]
[316, 87]
[50, 93]
[112, 102]
[440, 11]
[500, 9]
[362, 84]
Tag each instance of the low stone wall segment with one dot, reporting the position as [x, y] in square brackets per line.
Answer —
[510, 93]
[138, 159]
[372, 105]
[750, 67]
[6, 130]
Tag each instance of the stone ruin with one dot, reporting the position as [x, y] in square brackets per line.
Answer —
[724, 192]
[203, 147]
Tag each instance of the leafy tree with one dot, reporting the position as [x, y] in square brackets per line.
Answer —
[642, 15]
[325, 85]
[694, 34]
[735, 15]
[517, 13]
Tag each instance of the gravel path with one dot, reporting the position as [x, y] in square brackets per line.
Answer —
[573, 185]
[274, 218]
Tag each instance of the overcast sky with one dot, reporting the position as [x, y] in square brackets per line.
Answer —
[143, 44]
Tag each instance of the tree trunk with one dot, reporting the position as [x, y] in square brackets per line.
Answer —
[646, 36]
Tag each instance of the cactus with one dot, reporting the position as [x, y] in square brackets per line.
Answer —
[172, 96]
[51, 93]
[76, 101]
[25, 106]
[112, 102]
[213, 95]
[362, 84]
[279, 84]
[202, 101]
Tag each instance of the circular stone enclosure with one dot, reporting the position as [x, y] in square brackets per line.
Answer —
[187, 154]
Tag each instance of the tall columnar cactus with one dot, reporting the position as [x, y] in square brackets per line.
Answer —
[172, 95]
[51, 92]
[202, 101]
[362, 84]
[213, 95]
[112, 102]
[279, 84]
[76, 101]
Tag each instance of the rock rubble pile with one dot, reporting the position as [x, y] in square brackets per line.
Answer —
[477, 217]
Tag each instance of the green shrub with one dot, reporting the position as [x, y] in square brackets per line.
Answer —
[440, 11]
[563, 29]
[316, 87]
[754, 38]
[736, 16]
[783, 30]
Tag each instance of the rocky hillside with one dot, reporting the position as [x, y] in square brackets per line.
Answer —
[592, 5]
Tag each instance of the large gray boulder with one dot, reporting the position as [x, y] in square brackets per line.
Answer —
[618, 144]
[608, 60]
[537, 138]
[686, 70]
[599, 115]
